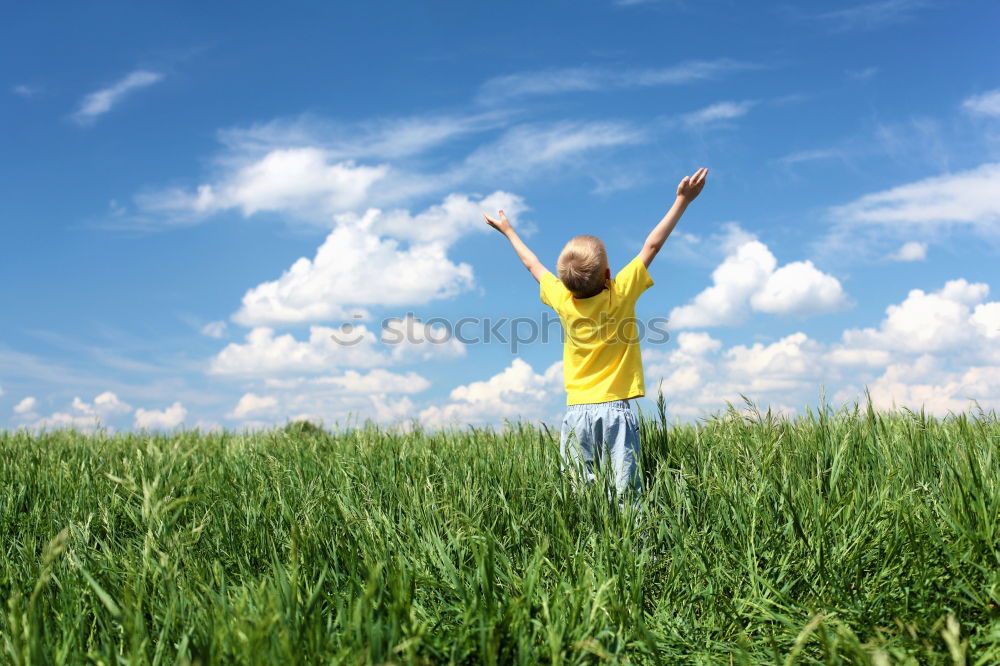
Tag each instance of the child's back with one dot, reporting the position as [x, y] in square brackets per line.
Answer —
[601, 357]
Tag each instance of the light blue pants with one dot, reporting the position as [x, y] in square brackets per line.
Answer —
[598, 434]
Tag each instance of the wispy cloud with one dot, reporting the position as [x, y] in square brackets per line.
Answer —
[526, 148]
[101, 101]
[928, 208]
[312, 171]
[618, 180]
[214, 329]
[919, 140]
[986, 104]
[717, 112]
[814, 155]
[380, 138]
[871, 15]
[875, 226]
[25, 91]
[966, 197]
[583, 79]
[862, 74]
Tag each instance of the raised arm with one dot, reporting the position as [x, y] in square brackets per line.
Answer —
[526, 256]
[689, 188]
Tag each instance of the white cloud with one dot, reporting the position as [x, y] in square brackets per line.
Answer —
[412, 340]
[734, 280]
[165, 419]
[749, 279]
[910, 251]
[927, 383]
[302, 182]
[85, 415]
[254, 404]
[927, 322]
[936, 350]
[697, 344]
[356, 265]
[379, 394]
[962, 198]
[66, 420]
[376, 381]
[986, 104]
[108, 403]
[698, 377]
[847, 356]
[263, 354]
[986, 320]
[391, 411]
[516, 393]
[214, 329]
[26, 406]
[582, 79]
[931, 383]
[716, 113]
[731, 238]
[456, 216]
[105, 405]
[799, 288]
[208, 426]
[681, 371]
[101, 101]
[793, 362]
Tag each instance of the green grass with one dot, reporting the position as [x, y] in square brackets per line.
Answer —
[839, 537]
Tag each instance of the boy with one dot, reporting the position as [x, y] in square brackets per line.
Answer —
[602, 365]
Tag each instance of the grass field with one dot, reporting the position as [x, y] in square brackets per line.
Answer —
[840, 537]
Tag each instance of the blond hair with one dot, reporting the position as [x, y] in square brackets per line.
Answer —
[583, 266]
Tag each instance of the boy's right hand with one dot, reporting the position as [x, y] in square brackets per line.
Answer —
[691, 186]
[501, 225]
[526, 256]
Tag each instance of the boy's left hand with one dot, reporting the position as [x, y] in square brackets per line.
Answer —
[691, 186]
[501, 225]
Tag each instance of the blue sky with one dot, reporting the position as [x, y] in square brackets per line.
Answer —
[195, 198]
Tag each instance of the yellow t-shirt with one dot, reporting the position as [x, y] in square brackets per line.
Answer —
[601, 357]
